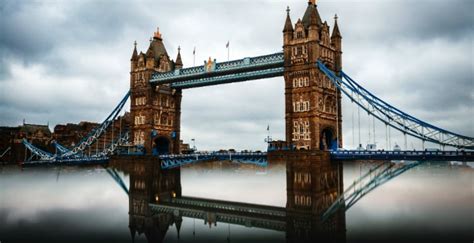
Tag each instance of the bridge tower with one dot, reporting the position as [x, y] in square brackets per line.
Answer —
[312, 102]
[155, 109]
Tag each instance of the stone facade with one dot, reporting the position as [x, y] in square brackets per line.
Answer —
[312, 111]
[12, 137]
[155, 109]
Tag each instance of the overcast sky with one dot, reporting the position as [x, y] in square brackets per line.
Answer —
[68, 61]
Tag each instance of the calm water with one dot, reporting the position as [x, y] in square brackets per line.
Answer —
[432, 202]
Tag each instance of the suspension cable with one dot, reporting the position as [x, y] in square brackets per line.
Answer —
[358, 115]
[373, 126]
[353, 130]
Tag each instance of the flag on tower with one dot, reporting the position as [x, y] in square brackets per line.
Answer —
[194, 56]
[227, 45]
[268, 127]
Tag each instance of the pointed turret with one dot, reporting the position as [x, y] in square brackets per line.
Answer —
[179, 63]
[311, 15]
[135, 53]
[288, 29]
[288, 24]
[335, 32]
[134, 58]
[336, 42]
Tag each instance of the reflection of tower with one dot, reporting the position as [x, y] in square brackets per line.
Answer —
[148, 183]
[312, 101]
[313, 184]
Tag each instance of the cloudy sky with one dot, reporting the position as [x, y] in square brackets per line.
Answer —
[68, 61]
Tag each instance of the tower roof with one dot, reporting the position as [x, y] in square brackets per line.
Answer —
[135, 53]
[288, 24]
[335, 31]
[179, 62]
[311, 15]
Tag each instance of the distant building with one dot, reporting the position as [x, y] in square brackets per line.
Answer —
[70, 134]
[11, 139]
[67, 135]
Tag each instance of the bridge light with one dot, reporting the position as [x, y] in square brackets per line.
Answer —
[173, 194]
[157, 198]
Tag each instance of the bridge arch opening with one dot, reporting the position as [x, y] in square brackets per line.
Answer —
[161, 145]
[327, 140]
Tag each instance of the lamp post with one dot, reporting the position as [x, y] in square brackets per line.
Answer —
[194, 144]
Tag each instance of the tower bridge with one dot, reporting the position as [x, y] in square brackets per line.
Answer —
[311, 66]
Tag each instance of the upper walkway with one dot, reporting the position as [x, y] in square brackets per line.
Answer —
[213, 73]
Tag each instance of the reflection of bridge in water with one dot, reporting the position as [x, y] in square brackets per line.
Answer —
[313, 184]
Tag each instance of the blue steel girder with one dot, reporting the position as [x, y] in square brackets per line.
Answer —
[392, 116]
[177, 160]
[250, 68]
[374, 178]
[118, 179]
[345, 155]
[96, 133]
[43, 155]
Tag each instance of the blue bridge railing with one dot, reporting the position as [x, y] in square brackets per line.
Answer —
[348, 155]
[178, 160]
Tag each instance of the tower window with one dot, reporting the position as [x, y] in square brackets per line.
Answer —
[299, 50]
[299, 34]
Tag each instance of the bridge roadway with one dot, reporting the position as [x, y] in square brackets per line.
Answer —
[173, 161]
[213, 211]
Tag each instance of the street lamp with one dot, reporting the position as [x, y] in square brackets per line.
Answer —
[194, 144]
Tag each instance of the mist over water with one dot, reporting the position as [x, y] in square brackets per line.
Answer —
[434, 201]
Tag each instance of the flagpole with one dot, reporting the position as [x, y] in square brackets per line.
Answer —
[194, 57]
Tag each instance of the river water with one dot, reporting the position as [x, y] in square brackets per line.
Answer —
[433, 202]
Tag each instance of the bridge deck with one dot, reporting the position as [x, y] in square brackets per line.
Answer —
[350, 155]
[249, 215]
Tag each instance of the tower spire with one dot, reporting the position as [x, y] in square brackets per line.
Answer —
[134, 54]
[335, 31]
[288, 25]
[179, 62]
[157, 34]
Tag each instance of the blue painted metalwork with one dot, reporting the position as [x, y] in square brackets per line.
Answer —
[77, 155]
[245, 69]
[374, 178]
[60, 148]
[392, 116]
[96, 133]
[349, 155]
[43, 155]
[178, 160]
[5, 152]
[117, 178]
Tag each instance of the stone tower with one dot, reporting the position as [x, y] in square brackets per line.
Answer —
[155, 109]
[313, 103]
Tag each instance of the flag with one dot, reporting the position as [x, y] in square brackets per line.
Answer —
[268, 127]
[227, 45]
[194, 51]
